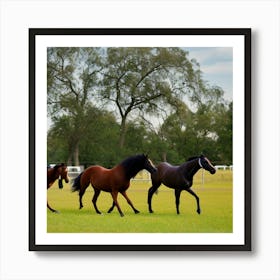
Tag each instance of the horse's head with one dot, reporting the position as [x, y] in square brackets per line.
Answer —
[205, 163]
[63, 172]
[148, 165]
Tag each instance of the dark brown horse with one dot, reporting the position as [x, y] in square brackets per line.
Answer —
[113, 180]
[59, 172]
[179, 178]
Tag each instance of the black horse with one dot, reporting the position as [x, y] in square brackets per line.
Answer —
[179, 178]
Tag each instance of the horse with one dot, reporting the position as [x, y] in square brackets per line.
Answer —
[59, 172]
[114, 181]
[179, 178]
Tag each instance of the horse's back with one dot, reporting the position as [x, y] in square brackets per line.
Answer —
[94, 171]
[103, 178]
[100, 171]
[166, 168]
[168, 175]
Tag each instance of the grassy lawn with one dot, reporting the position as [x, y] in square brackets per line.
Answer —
[215, 201]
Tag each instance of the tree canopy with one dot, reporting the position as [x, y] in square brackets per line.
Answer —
[108, 103]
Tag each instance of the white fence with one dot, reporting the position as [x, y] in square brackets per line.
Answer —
[74, 171]
[143, 176]
[224, 167]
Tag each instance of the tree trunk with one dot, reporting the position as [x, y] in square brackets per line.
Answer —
[122, 133]
[76, 155]
[70, 155]
[69, 160]
[73, 156]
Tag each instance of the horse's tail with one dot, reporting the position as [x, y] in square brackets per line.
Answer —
[77, 183]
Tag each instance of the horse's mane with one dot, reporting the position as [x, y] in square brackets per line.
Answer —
[58, 165]
[133, 165]
[192, 158]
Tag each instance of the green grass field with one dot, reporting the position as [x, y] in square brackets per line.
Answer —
[215, 201]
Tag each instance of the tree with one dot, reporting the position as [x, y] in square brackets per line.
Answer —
[101, 133]
[147, 80]
[223, 127]
[72, 75]
[208, 130]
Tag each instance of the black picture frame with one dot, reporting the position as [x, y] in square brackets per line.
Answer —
[243, 32]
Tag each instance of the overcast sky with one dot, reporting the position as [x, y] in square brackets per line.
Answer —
[216, 65]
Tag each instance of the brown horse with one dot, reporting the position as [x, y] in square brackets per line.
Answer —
[59, 172]
[113, 180]
[179, 178]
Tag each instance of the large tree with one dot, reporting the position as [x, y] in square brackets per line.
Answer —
[72, 81]
[148, 80]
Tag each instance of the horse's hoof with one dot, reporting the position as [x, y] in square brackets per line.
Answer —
[121, 214]
[151, 211]
[198, 211]
[136, 212]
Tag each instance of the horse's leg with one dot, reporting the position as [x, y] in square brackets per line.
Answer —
[197, 199]
[177, 196]
[151, 192]
[81, 193]
[82, 186]
[111, 209]
[94, 199]
[53, 210]
[115, 196]
[129, 202]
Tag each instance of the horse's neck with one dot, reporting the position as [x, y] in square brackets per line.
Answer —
[132, 171]
[190, 168]
[54, 174]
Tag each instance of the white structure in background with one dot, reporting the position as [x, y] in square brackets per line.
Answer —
[224, 167]
[143, 175]
[74, 171]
